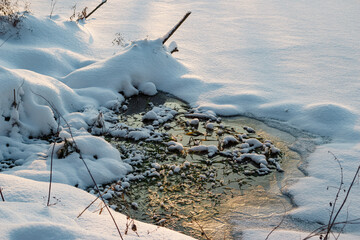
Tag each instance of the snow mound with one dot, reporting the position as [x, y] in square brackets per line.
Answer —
[141, 65]
[27, 101]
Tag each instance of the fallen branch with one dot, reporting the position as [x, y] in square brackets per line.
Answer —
[173, 30]
[88, 15]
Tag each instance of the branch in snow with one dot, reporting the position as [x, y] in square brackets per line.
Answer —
[102, 2]
[173, 30]
[2, 196]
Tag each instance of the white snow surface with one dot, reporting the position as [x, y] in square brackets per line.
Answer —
[297, 63]
[24, 215]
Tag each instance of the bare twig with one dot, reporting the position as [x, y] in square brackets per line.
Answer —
[342, 204]
[2, 196]
[18, 90]
[327, 229]
[92, 202]
[277, 226]
[201, 228]
[337, 194]
[322, 228]
[173, 30]
[343, 227]
[88, 15]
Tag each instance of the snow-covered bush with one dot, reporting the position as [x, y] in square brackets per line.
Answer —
[10, 15]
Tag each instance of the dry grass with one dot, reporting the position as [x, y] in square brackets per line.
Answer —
[11, 16]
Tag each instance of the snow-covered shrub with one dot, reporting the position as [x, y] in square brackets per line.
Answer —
[10, 15]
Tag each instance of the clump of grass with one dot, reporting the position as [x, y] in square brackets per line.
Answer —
[119, 40]
[83, 15]
[80, 15]
[11, 16]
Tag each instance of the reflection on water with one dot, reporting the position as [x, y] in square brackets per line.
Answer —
[214, 193]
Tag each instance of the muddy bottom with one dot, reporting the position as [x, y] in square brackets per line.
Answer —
[202, 193]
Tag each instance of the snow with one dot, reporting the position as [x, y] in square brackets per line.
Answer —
[24, 214]
[257, 158]
[159, 115]
[175, 146]
[230, 140]
[293, 64]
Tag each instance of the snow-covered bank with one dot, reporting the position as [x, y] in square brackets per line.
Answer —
[294, 62]
[24, 215]
[35, 104]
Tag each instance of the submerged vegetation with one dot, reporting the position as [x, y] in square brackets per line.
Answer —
[185, 163]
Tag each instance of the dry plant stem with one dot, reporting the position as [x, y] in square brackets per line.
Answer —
[343, 227]
[172, 31]
[201, 228]
[95, 9]
[51, 168]
[92, 203]
[322, 228]
[82, 159]
[51, 162]
[342, 204]
[2, 196]
[277, 226]
[14, 102]
[52, 5]
[332, 220]
[6, 40]
[337, 194]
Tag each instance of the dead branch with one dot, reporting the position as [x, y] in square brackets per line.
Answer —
[173, 30]
[2, 196]
[88, 15]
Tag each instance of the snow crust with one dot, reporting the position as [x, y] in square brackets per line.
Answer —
[294, 63]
